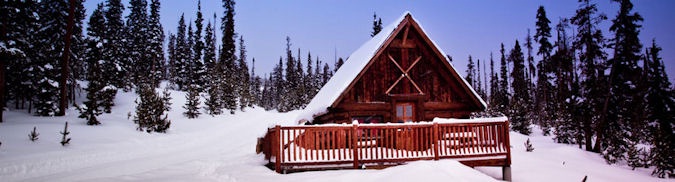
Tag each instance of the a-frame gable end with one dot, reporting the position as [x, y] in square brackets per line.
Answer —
[377, 54]
[404, 28]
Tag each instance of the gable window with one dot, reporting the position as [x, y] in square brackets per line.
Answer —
[405, 112]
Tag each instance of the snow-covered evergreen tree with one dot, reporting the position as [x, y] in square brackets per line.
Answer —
[156, 49]
[94, 57]
[519, 107]
[228, 59]
[660, 116]
[589, 43]
[151, 110]
[181, 56]
[137, 35]
[621, 119]
[244, 77]
[54, 15]
[192, 101]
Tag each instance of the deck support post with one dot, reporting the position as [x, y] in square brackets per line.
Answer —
[506, 173]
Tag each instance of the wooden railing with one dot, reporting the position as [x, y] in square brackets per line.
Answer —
[355, 146]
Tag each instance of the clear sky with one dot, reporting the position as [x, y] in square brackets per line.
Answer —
[460, 27]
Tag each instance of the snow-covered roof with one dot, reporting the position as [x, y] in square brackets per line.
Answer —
[354, 64]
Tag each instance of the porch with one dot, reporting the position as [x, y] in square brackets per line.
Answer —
[342, 146]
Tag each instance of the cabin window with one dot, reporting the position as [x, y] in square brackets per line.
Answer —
[405, 112]
[368, 119]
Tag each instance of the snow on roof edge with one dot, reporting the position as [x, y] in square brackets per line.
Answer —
[451, 65]
[356, 62]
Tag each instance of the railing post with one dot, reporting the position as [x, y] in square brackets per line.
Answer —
[355, 146]
[276, 143]
[436, 141]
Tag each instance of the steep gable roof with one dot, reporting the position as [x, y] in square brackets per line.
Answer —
[359, 61]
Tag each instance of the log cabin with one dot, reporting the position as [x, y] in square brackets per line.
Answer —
[400, 75]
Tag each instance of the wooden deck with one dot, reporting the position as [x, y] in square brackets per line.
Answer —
[292, 148]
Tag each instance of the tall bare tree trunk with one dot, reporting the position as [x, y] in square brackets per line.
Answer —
[63, 104]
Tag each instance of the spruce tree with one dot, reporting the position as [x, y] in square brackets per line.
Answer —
[151, 110]
[589, 43]
[660, 103]
[470, 72]
[20, 25]
[181, 56]
[51, 45]
[116, 68]
[192, 104]
[137, 35]
[244, 77]
[277, 87]
[228, 58]
[623, 95]
[94, 57]
[213, 103]
[310, 80]
[338, 64]
[198, 48]
[291, 80]
[518, 105]
[502, 94]
[156, 48]
[544, 102]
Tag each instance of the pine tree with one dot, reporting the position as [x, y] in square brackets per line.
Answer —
[20, 25]
[96, 30]
[494, 85]
[244, 77]
[116, 68]
[51, 45]
[150, 110]
[568, 125]
[198, 49]
[156, 47]
[277, 83]
[623, 95]
[660, 103]
[588, 42]
[544, 102]
[338, 64]
[502, 95]
[310, 80]
[213, 103]
[181, 56]
[518, 105]
[255, 88]
[326, 75]
[377, 25]
[470, 72]
[192, 104]
[228, 58]
[138, 34]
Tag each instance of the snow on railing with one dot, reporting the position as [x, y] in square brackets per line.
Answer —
[360, 144]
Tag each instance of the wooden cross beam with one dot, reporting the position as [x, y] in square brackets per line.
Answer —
[404, 74]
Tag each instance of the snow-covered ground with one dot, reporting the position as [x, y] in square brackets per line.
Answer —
[222, 148]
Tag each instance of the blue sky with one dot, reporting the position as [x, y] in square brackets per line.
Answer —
[461, 28]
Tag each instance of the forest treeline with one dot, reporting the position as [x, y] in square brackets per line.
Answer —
[605, 93]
